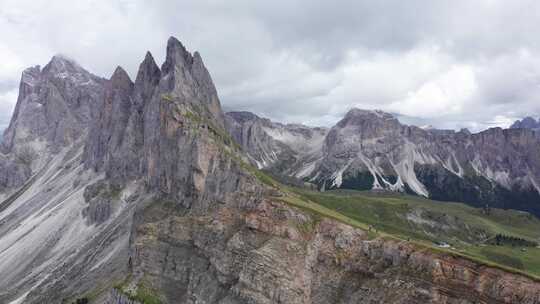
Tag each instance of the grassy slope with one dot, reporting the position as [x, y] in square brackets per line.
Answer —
[387, 213]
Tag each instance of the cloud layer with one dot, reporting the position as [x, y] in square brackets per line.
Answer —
[451, 64]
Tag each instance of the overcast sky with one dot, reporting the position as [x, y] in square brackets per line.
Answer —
[451, 64]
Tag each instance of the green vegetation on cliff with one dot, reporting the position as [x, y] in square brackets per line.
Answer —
[454, 228]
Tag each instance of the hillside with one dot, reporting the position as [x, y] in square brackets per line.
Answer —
[455, 227]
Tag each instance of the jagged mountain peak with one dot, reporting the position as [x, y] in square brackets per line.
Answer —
[149, 72]
[177, 55]
[357, 116]
[242, 116]
[364, 112]
[55, 105]
[63, 64]
[173, 42]
[526, 123]
[148, 56]
[186, 78]
[528, 119]
[62, 58]
[367, 124]
[120, 79]
[61, 69]
[29, 75]
[149, 63]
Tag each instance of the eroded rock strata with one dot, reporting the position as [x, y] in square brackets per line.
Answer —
[268, 252]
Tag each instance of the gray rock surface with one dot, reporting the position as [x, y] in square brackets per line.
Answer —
[55, 106]
[281, 148]
[82, 154]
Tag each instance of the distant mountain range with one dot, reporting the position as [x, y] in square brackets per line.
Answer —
[372, 150]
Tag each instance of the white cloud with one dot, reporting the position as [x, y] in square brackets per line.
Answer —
[7, 103]
[11, 64]
[450, 64]
[448, 93]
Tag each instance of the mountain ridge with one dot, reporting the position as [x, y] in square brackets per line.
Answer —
[373, 150]
[526, 123]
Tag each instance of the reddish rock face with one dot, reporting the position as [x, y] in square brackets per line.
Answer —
[273, 253]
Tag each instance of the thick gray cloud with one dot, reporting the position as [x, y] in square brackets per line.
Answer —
[450, 64]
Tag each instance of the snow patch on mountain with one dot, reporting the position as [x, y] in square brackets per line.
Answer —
[337, 177]
[307, 169]
[452, 164]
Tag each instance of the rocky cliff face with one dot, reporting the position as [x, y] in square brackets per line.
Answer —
[56, 104]
[124, 192]
[101, 150]
[270, 253]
